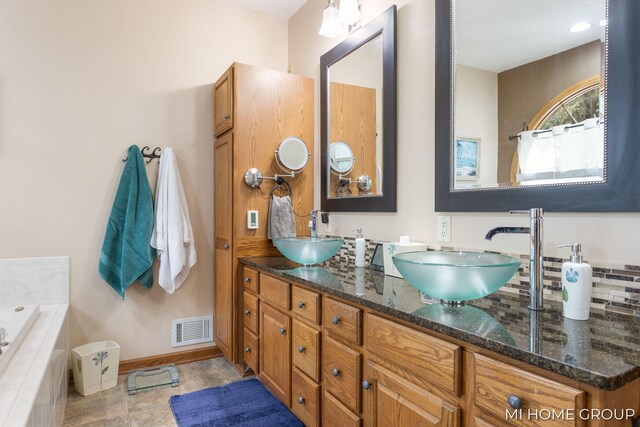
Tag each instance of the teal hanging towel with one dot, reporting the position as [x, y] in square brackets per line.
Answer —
[127, 254]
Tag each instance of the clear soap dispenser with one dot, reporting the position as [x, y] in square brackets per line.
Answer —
[360, 249]
[576, 285]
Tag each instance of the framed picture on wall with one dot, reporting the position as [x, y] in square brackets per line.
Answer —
[467, 159]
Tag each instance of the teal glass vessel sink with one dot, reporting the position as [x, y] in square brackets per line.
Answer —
[308, 250]
[455, 277]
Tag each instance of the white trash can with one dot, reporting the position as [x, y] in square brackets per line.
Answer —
[95, 366]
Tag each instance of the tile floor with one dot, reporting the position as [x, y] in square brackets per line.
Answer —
[115, 408]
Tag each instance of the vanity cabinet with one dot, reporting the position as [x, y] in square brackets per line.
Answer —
[254, 110]
[337, 363]
[390, 400]
[275, 352]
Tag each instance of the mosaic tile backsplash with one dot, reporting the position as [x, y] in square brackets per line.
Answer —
[616, 287]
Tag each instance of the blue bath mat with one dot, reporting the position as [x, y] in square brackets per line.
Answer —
[243, 403]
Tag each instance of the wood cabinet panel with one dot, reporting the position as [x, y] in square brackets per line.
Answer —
[275, 352]
[306, 303]
[251, 350]
[305, 349]
[341, 372]
[335, 414]
[495, 382]
[223, 99]
[305, 399]
[431, 362]
[223, 259]
[390, 400]
[251, 280]
[276, 291]
[342, 320]
[251, 313]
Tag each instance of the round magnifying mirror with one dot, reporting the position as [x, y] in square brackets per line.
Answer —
[292, 154]
[341, 156]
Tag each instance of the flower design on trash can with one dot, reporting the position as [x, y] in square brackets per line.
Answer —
[99, 358]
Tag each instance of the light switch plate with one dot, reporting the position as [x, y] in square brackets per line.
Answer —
[252, 220]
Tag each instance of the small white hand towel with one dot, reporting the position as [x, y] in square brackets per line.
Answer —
[172, 234]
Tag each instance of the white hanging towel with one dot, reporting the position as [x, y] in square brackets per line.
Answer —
[172, 234]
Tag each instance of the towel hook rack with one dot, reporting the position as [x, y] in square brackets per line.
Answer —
[155, 154]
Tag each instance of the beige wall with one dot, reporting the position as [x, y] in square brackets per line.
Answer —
[80, 81]
[477, 117]
[605, 237]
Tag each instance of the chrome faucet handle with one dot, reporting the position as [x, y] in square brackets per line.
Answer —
[3, 337]
[533, 212]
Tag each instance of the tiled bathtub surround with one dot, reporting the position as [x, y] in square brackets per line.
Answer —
[34, 281]
[616, 287]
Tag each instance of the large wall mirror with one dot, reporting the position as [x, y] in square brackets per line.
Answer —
[536, 104]
[358, 97]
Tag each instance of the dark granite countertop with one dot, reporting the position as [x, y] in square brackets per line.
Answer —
[603, 352]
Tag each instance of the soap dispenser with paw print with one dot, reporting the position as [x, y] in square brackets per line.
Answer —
[576, 285]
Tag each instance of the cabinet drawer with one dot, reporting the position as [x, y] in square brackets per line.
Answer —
[305, 399]
[306, 304]
[250, 280]
[276, 291]
[251, 348]
[251, 312]
[335, 414]
[306, 349]
[432, 363]
[342, 320]
[341, 371]
[496, 381]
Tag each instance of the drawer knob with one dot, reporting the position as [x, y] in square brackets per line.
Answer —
[247, 350]
[247, 279]
[226, 246]
[301, 349]
[247, 312]
[366, 385]
[226, 116]
[514, 401]
[335, 320]
[300, 304]
[301, 400]
[283, 331]
[335, 372]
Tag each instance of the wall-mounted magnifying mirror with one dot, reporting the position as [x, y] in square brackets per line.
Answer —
[341, 158]
[292, 154]
[358, 98]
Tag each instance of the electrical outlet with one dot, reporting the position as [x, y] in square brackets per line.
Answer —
[444, 228]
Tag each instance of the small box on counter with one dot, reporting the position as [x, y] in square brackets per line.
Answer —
[393, 248]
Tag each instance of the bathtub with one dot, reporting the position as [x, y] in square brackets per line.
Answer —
[16, 321]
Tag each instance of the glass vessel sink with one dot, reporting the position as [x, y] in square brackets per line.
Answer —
[455, 277]
[308, 250]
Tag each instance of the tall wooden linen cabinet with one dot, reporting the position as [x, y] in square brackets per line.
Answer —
[254, 110]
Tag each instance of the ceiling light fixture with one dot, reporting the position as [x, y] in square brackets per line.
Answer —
[580, 26]
[330, 26]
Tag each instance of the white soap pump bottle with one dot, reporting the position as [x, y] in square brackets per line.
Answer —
[576, 285]
[360, 249]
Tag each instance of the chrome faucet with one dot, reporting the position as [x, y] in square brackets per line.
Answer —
[313, 224]
[536, 272]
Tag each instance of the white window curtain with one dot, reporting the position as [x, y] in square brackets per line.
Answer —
[562, 152]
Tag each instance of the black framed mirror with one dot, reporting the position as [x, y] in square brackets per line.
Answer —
[611, 182]
[358, 119]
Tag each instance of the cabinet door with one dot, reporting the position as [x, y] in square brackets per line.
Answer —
[275, 352]
[223, 258]
[223, 98]
[390, 400]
